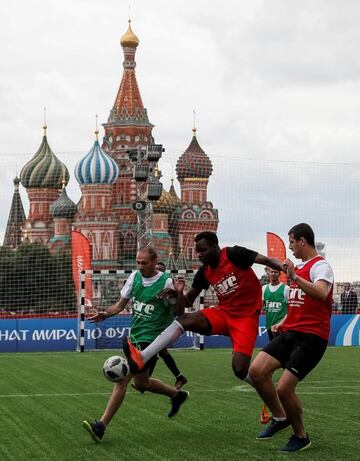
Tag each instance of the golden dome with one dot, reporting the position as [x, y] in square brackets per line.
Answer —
[164, 204]
[129, 39]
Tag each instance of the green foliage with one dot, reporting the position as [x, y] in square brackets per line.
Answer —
[34, 280]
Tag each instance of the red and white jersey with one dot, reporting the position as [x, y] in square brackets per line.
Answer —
[238, 289]
[306, 314]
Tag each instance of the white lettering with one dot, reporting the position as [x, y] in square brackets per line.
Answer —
[262, 331]
[110, 333]
[13, 335]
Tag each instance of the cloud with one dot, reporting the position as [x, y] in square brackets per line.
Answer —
[275, 86]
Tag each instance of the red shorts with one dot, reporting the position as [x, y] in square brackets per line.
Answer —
[241, 330]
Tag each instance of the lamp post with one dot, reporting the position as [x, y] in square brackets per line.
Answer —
[148, 189]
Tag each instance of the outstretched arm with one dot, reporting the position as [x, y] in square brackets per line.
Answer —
[191, 295]
[270, 262]
[101, 315]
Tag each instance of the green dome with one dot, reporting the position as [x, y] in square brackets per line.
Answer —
[63, 207]
[44, 170]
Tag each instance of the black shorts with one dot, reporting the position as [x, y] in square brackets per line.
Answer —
[150, 364]
[297, 352]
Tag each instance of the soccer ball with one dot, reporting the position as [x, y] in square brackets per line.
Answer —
[116, 368]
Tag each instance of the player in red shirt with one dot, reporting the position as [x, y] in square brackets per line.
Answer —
[302, 342]
[238, 289]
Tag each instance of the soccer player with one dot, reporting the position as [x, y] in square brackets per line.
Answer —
[238, 289]
[169, 361]
[275, 300]
[150, 316]
[180, 379]
[302, 342]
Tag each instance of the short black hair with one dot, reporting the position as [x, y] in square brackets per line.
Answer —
[210, 237]
[150, 251]
[160, 263]
[305, 231]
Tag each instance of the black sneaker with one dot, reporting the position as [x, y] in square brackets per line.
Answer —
[95, 429]
[176, 402]
[273, 428]
[180, 381]
[296, 443]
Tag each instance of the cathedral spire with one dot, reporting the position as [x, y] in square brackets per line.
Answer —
[16, 219]
[128, 108]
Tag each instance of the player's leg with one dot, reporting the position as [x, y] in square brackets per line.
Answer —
[260, 372]
[144, 382]
[242, 332]
[307, 353]
[97, 428]
[291, 402]
[171, 364]
[195, 322]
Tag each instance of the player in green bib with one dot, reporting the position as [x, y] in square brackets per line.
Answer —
[275, 301]
[168, 359]
[150, 316]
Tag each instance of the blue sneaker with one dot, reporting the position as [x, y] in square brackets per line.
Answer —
[273, 428]
[296, 443]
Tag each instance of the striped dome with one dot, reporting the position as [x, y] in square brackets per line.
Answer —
[44, 170]
[96, 167]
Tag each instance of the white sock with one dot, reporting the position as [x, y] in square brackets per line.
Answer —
[168, 336]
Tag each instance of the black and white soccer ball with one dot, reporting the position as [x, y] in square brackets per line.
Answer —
[116, 368]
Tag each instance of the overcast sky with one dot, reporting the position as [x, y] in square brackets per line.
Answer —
[275, 85]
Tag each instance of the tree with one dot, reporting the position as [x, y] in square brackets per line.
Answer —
[34, 280]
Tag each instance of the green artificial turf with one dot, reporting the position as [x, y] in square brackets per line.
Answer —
[44, 397]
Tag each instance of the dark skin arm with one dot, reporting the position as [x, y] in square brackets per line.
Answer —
[269, 262]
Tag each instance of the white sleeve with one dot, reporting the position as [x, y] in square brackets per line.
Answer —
[169, 283]
[321, 271]
[286, 292]
[263, 291]
[127, 288]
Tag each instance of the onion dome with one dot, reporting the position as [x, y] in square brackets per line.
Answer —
[97, 167]
[164, 204]
[63, 207]
[129, 39]
[193, 163]
[44, 170]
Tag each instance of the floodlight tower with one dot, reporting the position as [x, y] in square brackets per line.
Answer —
[148, 189]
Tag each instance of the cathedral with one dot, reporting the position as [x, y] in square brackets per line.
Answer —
[105, 213]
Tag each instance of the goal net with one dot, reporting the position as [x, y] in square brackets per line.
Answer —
[105, 291]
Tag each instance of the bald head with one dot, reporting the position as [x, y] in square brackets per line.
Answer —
[146, 260]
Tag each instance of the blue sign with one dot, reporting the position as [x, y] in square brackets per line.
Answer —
[33, 335]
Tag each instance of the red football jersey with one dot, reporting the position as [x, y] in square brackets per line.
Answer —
[307, 314]
[238, 290]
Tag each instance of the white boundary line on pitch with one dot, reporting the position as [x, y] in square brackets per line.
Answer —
[242, 388]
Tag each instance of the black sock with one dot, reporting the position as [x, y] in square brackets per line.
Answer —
[170, 363]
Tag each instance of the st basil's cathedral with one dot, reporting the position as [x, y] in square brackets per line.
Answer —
[105, 213]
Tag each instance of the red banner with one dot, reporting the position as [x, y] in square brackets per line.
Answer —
[276, 249]
[81, 260]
